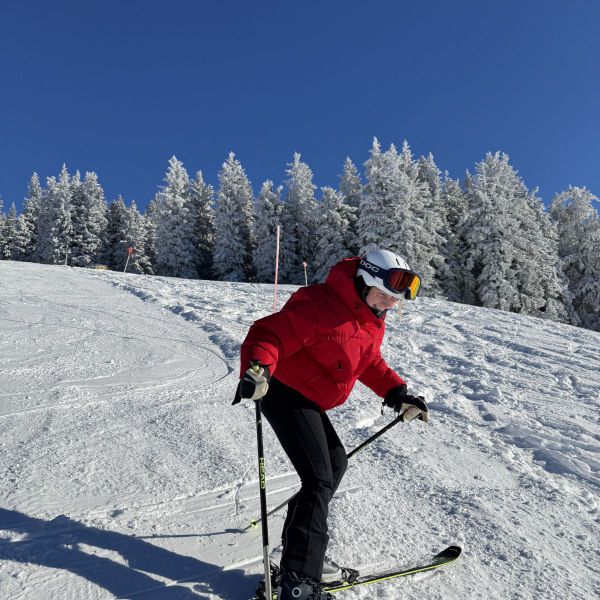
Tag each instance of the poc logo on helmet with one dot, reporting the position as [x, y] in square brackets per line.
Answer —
[369, 266]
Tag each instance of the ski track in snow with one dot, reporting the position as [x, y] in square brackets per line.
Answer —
[125, 472]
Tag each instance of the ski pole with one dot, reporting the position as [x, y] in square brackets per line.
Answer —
[255, 522]
[263, 498]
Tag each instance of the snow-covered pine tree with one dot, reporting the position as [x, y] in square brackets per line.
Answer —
[559, 302]
[8, 235]
[429, 219]
[234, 224]
[504, 243]
[428, 172]
[403, 237]
[467, 279]
[377, 212]
[455, 209]
[88, 217]
[538, 272]
[287, 242]
[150, 223]
[579, 248]
[2, 217]
[136, 237]
[30, 216]
[332, 233]
[508, 245]
[490, 275]
[301, 204]
[21, 248]
[74, 185]
[114, 252]
[14, 237]
[175, 225]
[351, 186]
[201, 197]
[268, 211]
[54, 222]
[352, 190]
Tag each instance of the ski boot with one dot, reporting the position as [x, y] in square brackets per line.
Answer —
[333, 572]
[298, 587]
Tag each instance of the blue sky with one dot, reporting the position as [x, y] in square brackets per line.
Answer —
[119, 87]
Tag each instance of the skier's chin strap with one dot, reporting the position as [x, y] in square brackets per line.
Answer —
[363, 289]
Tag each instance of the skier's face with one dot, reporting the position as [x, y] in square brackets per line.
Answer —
[379, 300]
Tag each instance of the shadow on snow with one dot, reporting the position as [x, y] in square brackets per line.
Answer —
[59, 544]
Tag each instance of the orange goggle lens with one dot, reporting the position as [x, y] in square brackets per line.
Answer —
[401, 280]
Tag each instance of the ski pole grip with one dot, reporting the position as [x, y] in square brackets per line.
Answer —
[255, 365]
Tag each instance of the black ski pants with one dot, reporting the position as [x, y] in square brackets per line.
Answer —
[316, 452]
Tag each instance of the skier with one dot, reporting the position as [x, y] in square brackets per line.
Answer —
[310, 354]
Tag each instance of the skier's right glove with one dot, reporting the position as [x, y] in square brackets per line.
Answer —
[410, 407]
[254, 383]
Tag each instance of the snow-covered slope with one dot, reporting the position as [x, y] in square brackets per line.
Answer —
[125, 472]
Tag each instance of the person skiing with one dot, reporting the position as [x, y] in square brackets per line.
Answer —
[303, 361]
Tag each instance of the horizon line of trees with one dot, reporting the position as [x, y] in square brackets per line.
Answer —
[486, 240]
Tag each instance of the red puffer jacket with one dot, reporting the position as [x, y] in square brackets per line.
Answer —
[322, 341]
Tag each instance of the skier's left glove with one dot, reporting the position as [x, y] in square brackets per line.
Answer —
[254, 384]
[410, 407]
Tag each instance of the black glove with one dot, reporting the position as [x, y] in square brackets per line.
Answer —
[409, 406]
[254, 383]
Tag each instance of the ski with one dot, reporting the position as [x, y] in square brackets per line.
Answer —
[443, 558]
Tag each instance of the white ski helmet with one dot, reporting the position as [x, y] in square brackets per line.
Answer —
[389, 273]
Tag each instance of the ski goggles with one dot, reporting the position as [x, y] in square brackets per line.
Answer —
[397, 281]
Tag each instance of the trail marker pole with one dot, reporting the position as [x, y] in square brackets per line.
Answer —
[130, 251]
[276, 269]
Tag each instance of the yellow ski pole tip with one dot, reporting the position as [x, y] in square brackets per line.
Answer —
[253, 524]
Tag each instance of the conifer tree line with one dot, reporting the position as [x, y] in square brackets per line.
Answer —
[486, 240]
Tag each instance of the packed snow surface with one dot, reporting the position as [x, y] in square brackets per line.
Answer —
[126, 473]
